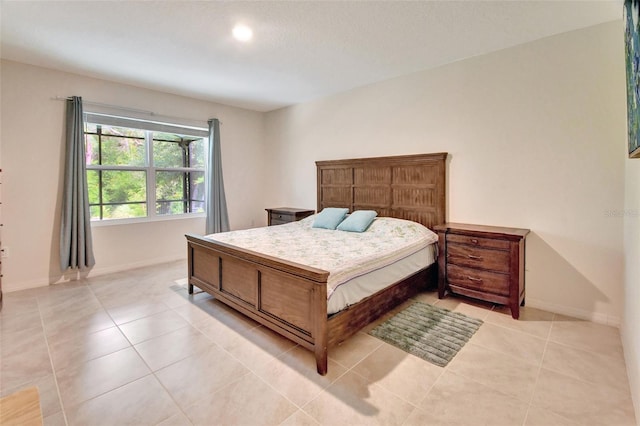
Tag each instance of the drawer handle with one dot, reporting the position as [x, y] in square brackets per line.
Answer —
[478, 280]
[474, 241]
[470, 256]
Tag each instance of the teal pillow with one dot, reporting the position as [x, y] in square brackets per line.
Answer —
[358, 221]
[330, 217]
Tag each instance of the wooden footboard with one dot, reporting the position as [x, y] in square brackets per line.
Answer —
[289, 298]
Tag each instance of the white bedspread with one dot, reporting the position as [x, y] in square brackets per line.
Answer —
[345, 255]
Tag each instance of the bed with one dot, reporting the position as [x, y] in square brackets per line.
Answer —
[291, 298]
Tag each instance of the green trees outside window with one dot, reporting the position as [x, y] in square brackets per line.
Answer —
[138, 173]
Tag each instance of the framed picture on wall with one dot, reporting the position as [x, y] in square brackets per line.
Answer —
[632, 56]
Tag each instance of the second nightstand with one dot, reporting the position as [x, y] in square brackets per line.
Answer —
[280, 215]
[484, 262]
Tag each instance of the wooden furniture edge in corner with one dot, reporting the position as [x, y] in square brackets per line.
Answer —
[21, 408]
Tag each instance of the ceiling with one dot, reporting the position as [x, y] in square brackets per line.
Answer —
[301, 50]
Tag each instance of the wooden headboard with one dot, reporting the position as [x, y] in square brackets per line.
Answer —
[406, 187]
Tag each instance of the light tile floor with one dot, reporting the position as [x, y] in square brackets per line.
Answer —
[135, 348]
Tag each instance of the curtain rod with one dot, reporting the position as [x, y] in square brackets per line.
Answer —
[139, 111]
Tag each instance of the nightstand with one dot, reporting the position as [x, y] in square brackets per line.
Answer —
[483, 262]
[281, 215]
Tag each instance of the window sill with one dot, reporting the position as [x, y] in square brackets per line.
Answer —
[134, 220]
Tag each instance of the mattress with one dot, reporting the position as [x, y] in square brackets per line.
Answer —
[358, 288]
[350, 257]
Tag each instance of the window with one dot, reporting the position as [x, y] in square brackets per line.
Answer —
[135, 170]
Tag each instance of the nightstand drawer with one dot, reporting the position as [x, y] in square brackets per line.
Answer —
[473, 257]
[279, 221]
[478, 241]
[282, 218]
[478, 280]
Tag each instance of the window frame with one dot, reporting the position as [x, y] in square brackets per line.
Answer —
[151, 202]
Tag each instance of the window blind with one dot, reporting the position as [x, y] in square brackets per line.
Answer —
[135, 123]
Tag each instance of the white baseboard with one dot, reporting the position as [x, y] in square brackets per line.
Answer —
[632, 358]
[94, 272]
[135, 265]
[25, 285]
[596, 317]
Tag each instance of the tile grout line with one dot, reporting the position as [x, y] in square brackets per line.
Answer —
[325, 388]
[581, 349]
[535, 385]
[496, 388]
[152, 373]
[53, 368]
[446, 367]
[414, 406]
[132, 346]
[527, 334]
[426, 395]
[548, 340]
[195, 327]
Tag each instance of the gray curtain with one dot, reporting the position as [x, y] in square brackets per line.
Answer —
[76, 249]
[215, 200]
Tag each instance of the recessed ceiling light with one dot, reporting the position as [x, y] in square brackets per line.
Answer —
[242, 32]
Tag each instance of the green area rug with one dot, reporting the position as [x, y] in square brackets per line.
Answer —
[431, 333]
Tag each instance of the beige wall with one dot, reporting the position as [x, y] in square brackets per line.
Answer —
[536, 136]
[32, 150]
[631, 320]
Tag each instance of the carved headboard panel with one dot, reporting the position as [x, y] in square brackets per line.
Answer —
[406, 187]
